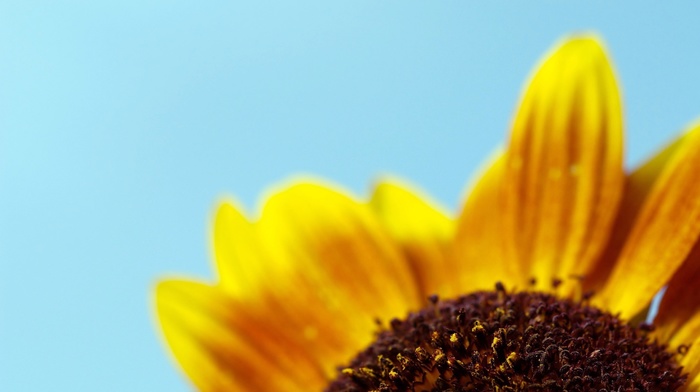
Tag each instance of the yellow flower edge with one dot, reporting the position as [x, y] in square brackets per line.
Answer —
[302, 289]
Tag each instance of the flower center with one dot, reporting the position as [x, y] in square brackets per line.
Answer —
[500, 341]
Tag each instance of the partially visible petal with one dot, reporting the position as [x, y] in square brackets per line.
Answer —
[422, 231]
[338, 274]
[638, 184]
[691, 366]
[340, 247]
[320, 265]
[663, 233]
[678, 319]
[237, 255]
[563, 175]
[221, 349]
[477, 258]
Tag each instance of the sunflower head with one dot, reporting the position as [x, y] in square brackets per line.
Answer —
[539, 283]
[498, 340]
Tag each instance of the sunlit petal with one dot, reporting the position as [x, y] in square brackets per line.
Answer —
[422, 231]
[563, 173]
[236, 253]
[221, 349]
[478, 258]
[638, 184]
[678, 319]
[663, 233]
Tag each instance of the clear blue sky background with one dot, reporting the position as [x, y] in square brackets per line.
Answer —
[121, 123]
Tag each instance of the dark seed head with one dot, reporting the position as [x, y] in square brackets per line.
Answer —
[500, 341]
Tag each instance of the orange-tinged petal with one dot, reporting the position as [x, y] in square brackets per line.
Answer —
[663, 234]
[637, 187]
[340, 247]
[477, 259]
[318, 263]
[336, 271]
[422, 231]
[563, 175]
[691, 366]
[222, 349]
[678, 319]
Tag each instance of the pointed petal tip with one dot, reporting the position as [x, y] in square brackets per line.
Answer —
[388, 182]
[407, 212]
[227, 206]
[302, 181]
[226, 202]
[164, 296]
[300, 186]
[161, 287]
[165, 289]
[226, 209]
[587, 38]
[584, 52]
[387, 187]
[585, 43]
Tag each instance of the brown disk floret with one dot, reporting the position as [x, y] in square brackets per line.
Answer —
[500, 341]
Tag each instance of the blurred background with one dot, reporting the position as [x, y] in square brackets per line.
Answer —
[122, 122]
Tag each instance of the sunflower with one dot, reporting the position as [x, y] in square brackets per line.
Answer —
[543, 281]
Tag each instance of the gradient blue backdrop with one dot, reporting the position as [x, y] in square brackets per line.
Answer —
[121, 122]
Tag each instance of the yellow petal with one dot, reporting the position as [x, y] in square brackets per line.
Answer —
[319, 265]
[220, 349]
[691, 366]
[678, 319]
[422, 231]
[340, 246]
[236, 253]
[477, 259]
[564, 172]
[336, 270]
[663, 233]
[638, 184]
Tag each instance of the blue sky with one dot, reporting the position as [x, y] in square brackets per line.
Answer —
[121, 124]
